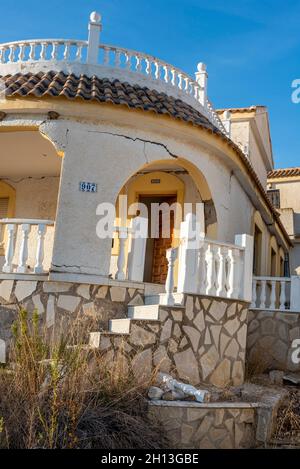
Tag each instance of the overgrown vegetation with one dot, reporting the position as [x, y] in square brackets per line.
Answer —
[288, 419]
[57, 396]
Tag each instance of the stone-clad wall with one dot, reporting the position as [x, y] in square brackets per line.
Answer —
[54, 300]
[203, 342]
[270, 338]
[207, 426]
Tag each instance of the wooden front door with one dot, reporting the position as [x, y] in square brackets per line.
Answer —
[156, 265]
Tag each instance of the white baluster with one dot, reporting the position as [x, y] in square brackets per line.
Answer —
[180, 81]
[273, 295]
[38, 268]
[148, 67]
[78, 55]
[11, 56]
[171, 258]
[10, 250]
[43, 51]
[139, 63]
[67, 51]
[166, 73]
[128, 61]
[106, 56]
[187, 85]
[263, 296]
[173, 80]
[21, 53]
[221, 277]
[211, 272]
[282, 296]
[254, 294]
[32, 51]
[120, 275]
[54, 54]
[157, 70]
[22, 267]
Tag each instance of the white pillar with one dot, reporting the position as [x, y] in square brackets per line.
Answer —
[295, 293]
[201, 78]
[246, 241]
[95, 27]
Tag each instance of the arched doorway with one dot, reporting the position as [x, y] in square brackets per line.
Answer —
[175, 189]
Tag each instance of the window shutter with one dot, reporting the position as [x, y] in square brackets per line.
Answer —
[3, 207]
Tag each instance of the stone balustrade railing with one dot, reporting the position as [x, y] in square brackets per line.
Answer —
[210, 267]
[24, 240]
[271, 293]
[130, 259]
[91, 57]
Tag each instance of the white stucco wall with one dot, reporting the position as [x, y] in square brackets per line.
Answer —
[108, 156]
[36, 197]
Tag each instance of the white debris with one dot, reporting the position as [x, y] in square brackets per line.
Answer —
[174, 385]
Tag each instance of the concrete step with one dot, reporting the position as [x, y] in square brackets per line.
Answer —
[146, 312]
[160, 299]
[153, 289]
[119, 326]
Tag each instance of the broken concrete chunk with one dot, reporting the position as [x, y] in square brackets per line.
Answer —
[155, 393]
[292, 378]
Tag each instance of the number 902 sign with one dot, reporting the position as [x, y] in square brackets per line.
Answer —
[88, 187]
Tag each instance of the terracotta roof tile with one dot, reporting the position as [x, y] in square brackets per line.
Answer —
[59, 84]
[283, 173]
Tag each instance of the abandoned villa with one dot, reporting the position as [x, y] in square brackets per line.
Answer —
[82, 124]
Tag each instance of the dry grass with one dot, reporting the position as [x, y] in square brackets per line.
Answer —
[258, 363]
[56, 396]
[288, 419]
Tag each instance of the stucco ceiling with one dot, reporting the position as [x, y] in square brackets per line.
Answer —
[27, 153]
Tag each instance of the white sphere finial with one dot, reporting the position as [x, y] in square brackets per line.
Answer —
[201, 67]
[95, 17]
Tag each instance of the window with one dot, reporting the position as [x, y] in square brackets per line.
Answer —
[257, 250]
[273, 263]
[274, 197]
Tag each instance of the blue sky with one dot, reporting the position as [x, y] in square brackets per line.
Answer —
[251, 47]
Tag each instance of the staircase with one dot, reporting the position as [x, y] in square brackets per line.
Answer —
[150, 312]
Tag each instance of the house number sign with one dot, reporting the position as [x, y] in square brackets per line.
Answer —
[88, 186]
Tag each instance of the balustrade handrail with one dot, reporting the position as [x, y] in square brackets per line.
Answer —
[271, 279]
[30, 221]
[12, 225]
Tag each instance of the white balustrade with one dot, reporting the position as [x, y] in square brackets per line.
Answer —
[214, 268]
[271, 293]
[131, 243]
[121, 62]
[20, 240]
